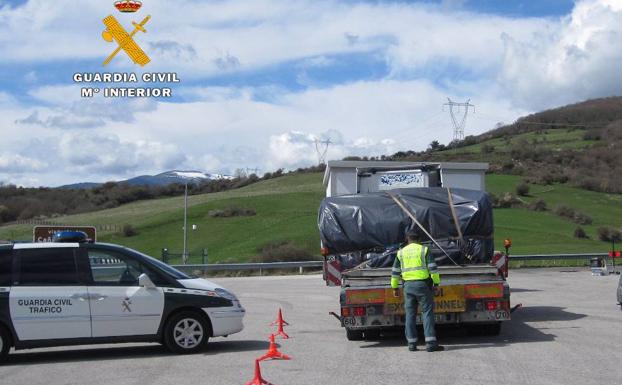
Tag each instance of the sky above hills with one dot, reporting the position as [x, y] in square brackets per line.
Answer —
[260, 80]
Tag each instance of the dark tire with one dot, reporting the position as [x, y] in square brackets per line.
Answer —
[5, 343]
[354, 335]
[485, 330]
[186, 332]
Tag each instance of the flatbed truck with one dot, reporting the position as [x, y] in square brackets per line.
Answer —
[475, 296]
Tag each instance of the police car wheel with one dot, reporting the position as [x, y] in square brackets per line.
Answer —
[5, 343]
[186, 333]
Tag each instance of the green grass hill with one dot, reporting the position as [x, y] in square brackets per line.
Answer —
[286, 210]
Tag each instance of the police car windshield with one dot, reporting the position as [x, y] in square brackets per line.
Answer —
[173, 272]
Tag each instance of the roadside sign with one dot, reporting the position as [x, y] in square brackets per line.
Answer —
[45, 233]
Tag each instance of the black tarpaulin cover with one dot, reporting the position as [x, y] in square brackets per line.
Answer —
[365, 221]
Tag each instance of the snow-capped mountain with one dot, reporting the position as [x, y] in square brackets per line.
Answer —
[163, 179]
[182, 176]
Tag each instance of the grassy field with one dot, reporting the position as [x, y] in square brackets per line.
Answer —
[547, 232]
[555, 139]
[499, 149]
[286, 210]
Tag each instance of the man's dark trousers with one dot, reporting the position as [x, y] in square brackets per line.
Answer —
[419, 292]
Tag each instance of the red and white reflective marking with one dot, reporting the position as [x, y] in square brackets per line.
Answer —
[332, 273]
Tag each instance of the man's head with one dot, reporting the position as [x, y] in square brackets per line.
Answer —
[412, 236]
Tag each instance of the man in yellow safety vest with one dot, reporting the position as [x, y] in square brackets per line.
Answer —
[415, 266]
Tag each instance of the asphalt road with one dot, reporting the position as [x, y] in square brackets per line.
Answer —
[568, 332]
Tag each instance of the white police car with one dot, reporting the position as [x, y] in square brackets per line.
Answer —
[73, 293]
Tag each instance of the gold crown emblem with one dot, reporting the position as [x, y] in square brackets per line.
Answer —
[128, 5]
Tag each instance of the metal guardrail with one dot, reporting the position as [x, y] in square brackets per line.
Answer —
[318, 264]
[536, 257]
[252, 266]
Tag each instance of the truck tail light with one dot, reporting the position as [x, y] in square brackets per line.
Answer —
[358, 311]
[491, 305]
[483, 291]
[345, 312]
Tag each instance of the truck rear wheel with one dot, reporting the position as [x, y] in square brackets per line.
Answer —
[354, 335]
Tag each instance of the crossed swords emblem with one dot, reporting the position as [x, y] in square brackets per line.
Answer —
[115, 31]
[125, 305]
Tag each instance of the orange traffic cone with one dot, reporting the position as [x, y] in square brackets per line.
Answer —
[279, 320]
[258, 380]
[273, 352]
[281, 332]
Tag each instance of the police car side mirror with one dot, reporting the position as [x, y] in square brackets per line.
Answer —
[145, 281]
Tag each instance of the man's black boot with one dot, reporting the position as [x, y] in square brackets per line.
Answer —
[412, 347]
[435, 348]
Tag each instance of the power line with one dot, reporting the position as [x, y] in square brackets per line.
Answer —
[459, 123]
[408, 133]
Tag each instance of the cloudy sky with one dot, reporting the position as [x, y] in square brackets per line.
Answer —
[260, 80]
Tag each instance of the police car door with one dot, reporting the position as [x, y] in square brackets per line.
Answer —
[48, 298]
[119, 306]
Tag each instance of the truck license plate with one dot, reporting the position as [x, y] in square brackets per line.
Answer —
[349, 321]
[450, 300]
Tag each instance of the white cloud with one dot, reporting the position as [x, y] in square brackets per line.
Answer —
[578, 59]
[295, 149]
[15, 163]
[228, 129]
[68, 110]
[207, 162]
[242, 35]
[292, 149]
[70, 157]
[318, 61]
[56, 94]
[507, 67]
[568, 54]
[6, 99]
[40, 30]
[108, 155]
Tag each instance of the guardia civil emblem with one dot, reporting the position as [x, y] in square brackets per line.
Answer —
[125, 41]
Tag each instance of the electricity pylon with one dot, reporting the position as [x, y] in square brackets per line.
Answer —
[459, 123]
[321, 147]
